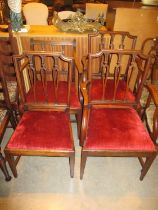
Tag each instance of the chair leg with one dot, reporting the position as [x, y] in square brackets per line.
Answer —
[82, 164]
[72, 164]
[4, 168]
[12, 163]
[79, 118]
[13, 121]
[146, 166]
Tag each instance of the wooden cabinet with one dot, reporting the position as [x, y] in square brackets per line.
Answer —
[142, 22]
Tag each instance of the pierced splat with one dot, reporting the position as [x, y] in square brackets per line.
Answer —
[48, 82]
[120, 77]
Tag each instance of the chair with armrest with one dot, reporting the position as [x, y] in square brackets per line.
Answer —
[111, 126]
[44, 128]
[35, 13]
[68, 48]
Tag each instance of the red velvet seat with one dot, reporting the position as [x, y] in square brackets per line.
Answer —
[117, 129]
[51, 129]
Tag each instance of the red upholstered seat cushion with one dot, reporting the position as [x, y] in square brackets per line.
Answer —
[97, 91]
[42, 131]
[61, 94]
[117, 129]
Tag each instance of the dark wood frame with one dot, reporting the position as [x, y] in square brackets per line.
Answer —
[34, 106]
[88, 105]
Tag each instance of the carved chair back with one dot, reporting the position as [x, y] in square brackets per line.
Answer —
[67, 47]
[43, 83]
[119, 79]
[111, 40]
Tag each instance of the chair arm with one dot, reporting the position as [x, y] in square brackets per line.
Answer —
[153, 92]
[84, 61]
[153, 130]
[77, 64]
[84, 86]
[85, 113]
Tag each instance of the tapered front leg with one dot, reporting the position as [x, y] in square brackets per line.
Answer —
[147, 165]
[72, 164]
[82, 164]
[4, 168]
[12, 163]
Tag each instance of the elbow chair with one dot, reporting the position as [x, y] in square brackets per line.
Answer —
[111, 125]
[44, 128]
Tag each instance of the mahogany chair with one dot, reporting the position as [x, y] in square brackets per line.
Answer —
[111, 125]
[68, 48]
[150, 47]
[44, 128]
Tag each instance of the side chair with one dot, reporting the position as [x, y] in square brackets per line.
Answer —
[111, 126]
[68, 48]
[44, 128]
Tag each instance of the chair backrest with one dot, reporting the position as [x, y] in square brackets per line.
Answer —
[42, 80]
[111, 40]
[150, 47]
[67, 47]
[36, 13]
[65, 14]
[120, 78]
[93, 10]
